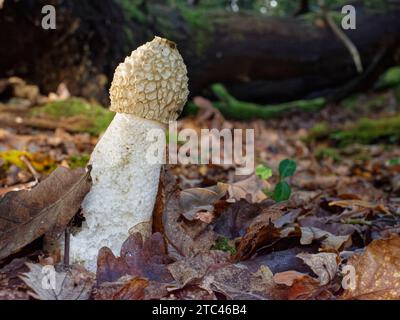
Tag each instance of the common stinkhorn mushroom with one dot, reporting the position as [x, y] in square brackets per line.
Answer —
[149, 89]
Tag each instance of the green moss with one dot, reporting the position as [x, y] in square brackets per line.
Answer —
[364, 131]
[390, 79]
[223, 244]
[367, 131]
[78, 161]
[235, 109]
[320, 129]
[327, 153]
[94, 117]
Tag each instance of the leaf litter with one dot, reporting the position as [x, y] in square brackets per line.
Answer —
[217, 235]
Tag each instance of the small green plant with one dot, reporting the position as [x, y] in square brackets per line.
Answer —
[263, 172]
[223, 244]
[282, 190]
[394, 162]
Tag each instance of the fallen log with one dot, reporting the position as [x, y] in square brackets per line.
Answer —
[257, 58]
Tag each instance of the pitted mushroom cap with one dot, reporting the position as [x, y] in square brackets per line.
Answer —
[151, 83]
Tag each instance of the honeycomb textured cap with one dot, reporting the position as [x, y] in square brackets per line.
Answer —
[151, 83]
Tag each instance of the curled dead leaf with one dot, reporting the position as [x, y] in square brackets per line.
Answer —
[73, 283]
[46, 209]
[324, 265]
[137, 259]
[360, 203]
[376, 272]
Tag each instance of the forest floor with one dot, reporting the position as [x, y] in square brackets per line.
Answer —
[336, 237]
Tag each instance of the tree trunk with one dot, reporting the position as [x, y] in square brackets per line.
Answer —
[258, 58]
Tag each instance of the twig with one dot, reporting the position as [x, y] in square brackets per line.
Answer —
[23, 186]
[14, 120]
[18, 187]
[342, 37]
[67, 237]
[358, 221]
[348, 88]
[35, 174]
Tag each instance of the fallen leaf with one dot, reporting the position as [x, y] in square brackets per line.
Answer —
[137, 259]
[250, 189]
[280, 261]
[360, 203]
[195, 200]
[46, 209]
[11, 286]
[287, 277]
[184, 239]
[236, 282]
[205, 216]
[324, 265]
[236, 218]
[377, 271]
[75, 283]
[324, 223]
[190, 293]
[132, 289]
[191, 270]
[257, 236]
[328, 240]
[304, 288]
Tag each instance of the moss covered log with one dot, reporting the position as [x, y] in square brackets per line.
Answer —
[266, 60]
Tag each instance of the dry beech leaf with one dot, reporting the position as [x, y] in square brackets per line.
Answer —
[280, 261]
[250, 189]
[324, 265]
[288, 277]
[205, 216]
[328, 240]
[130, 289]
[73, 284]
[11, 286]
[212, 272]
[377, 271]
[195, 200]
[46, 209]
[300, 286]
[236, 282]
[137, 259]
[257, 236]
[190, 270]
[304, 288]
[184, 240]
[236, 218]
[360, 203]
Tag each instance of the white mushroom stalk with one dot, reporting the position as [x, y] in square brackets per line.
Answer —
[149, 89]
